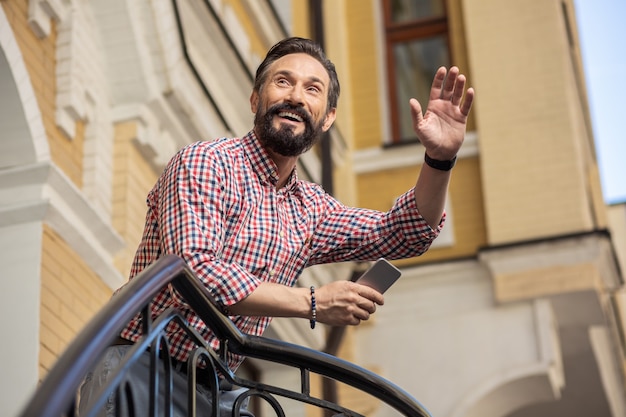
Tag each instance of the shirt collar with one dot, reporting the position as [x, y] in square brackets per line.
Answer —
[262, 163]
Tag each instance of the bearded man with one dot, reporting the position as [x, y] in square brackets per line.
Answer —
[235, 210]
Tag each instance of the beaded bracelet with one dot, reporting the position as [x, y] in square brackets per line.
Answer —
[313, 308]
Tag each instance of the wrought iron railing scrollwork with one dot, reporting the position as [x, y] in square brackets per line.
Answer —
[56, 395]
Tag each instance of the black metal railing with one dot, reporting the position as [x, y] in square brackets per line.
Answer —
[56, 396]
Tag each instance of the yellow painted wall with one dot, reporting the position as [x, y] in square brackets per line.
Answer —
[70, 296]
[40, 59]
[300, 18]
[362, 55]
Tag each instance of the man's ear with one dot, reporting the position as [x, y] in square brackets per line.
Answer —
[330, 119]
[254, 101]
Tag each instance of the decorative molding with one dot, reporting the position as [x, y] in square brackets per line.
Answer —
[542, 380]
[76, 54]
[564, 265]
[160, 132]
[267, 25]
[40, 12]
[41, 192]
[226, 83]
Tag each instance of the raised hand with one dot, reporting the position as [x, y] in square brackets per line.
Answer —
[442, 128]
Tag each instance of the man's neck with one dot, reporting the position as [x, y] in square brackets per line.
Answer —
[285, 166]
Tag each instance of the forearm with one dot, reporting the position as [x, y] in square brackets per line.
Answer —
[274, 300]
[441, 131]
[431, 190]
[339, 303]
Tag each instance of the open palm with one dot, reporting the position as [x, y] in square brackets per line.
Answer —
[441, 129]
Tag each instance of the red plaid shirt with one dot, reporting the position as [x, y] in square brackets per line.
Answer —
[216, 205]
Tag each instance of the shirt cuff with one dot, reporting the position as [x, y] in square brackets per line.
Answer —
[232, 285]
[414, 227]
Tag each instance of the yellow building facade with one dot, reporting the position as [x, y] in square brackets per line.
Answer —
[515, 310]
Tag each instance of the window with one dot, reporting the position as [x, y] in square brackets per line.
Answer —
[416, 35]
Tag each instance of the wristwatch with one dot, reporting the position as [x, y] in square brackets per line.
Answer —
[440, 165]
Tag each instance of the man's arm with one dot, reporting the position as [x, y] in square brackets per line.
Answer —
[339, 303]
[441, 129]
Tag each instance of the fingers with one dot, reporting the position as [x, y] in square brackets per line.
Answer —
[457, 92]
[346, 303]
[416, 111]
[369, 295]
[450, 85]
[363, 312]
[437, 88]
[367, 302]
[467, 104]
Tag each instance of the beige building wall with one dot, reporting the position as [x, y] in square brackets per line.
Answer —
[535, 148]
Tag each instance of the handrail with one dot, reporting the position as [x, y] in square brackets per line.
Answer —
[56, 394]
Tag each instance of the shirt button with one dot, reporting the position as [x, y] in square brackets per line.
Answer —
[282, 234]
[272, 272]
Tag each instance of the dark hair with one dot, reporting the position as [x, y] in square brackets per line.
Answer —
[295, 45]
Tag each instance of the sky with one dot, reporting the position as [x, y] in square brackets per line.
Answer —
[602, 32]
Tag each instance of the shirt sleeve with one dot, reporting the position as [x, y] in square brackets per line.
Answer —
[191, 218]
[349, 233]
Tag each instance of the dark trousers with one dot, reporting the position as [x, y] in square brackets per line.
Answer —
[134, 397]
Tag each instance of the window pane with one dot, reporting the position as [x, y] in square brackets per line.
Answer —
[409, 10]
[416, 63]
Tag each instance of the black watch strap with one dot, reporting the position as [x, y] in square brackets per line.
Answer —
[440, 165]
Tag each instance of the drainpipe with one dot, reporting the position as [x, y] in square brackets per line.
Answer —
[317, 29]
[335, 334]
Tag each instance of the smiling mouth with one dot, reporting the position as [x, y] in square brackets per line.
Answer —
[294, 117]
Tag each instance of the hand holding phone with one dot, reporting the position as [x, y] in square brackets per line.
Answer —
[380, 276]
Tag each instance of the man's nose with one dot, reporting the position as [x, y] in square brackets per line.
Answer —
[296, 95]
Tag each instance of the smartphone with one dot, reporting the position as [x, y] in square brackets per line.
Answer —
[380, 276]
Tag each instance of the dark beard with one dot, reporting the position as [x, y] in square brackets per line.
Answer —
[282, 140]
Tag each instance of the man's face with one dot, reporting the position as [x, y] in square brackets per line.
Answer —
[291, 107]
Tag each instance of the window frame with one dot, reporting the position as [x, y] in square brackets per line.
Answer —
[407, 31]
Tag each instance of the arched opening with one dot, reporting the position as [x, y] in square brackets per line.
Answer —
[23, 146]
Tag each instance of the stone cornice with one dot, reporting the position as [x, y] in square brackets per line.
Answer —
[41, 192]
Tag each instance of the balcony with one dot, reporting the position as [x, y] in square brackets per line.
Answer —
[56, 396]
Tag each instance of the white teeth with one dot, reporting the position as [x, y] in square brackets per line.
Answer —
[290, 115]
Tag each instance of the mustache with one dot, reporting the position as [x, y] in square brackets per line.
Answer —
[280, 107]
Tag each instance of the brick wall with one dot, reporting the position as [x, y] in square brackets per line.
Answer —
[40, 59]
[70, 296]
[133, 178]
